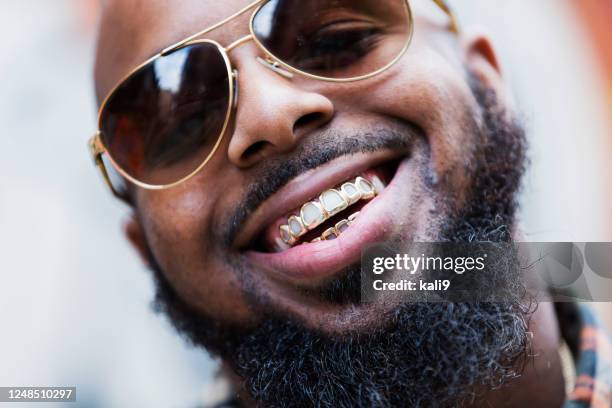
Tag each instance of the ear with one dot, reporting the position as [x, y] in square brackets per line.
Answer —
[135, 234]
[481, 58]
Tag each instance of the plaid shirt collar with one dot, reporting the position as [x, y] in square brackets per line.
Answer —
[593, 387]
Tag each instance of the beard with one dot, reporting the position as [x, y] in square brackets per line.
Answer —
[425, 354]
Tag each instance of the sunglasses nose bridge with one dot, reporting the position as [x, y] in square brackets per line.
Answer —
[239, 42]
[267, 62]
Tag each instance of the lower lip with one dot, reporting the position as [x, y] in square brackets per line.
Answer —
[317, 262]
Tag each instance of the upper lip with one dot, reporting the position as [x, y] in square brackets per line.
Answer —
[306, 186]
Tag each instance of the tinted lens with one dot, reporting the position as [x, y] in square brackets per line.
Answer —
[338, 39]
[164, 121]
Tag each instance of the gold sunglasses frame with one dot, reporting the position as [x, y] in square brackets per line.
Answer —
[97, 148]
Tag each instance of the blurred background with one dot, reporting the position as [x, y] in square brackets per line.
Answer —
[74, 299]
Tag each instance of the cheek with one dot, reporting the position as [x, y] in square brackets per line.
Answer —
[178, 225]
[427, 90]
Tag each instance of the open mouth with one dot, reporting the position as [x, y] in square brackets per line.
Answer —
[328, 215]
[343, 206]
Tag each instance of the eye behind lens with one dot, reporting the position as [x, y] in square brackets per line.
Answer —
[164, 122]
[336, 50]
[339, 40]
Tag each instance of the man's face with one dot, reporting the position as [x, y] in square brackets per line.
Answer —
[420, 128]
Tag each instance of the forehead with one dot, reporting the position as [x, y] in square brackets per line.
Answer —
[131, 31]
[159, 23]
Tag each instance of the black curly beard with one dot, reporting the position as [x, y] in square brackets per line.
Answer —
[427, 354]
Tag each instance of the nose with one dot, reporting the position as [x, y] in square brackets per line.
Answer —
[272, 113]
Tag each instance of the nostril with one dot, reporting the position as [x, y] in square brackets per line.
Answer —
[309, 120]
[254, 149]
[260, 148]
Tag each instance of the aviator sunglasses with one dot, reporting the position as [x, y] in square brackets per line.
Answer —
[163, 122]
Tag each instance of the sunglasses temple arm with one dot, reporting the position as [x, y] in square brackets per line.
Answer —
[97, 152]
[454, 24]
[107, 180]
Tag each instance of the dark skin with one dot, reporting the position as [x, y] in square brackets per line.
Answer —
[182, 227]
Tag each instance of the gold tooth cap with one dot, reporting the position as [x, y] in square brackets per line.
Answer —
[352, 217]
[378, 184]
[281, 245]
[329, 234]
[342, 226]
[296, 226]
[366, 188]
[332, 201]
[351, 192]
[312, 214]
[286, 236]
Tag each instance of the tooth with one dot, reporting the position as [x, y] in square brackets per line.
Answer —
[379, 185]
[296, 227]
[332, 201]
[366, 188]
[329, 234]
[352, 217]
[342, 226]
[281, 245]
[312, 214]
[352, 192]
[318, 239]
[285, 235]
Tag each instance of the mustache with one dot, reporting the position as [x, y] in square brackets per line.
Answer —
[274, 174]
